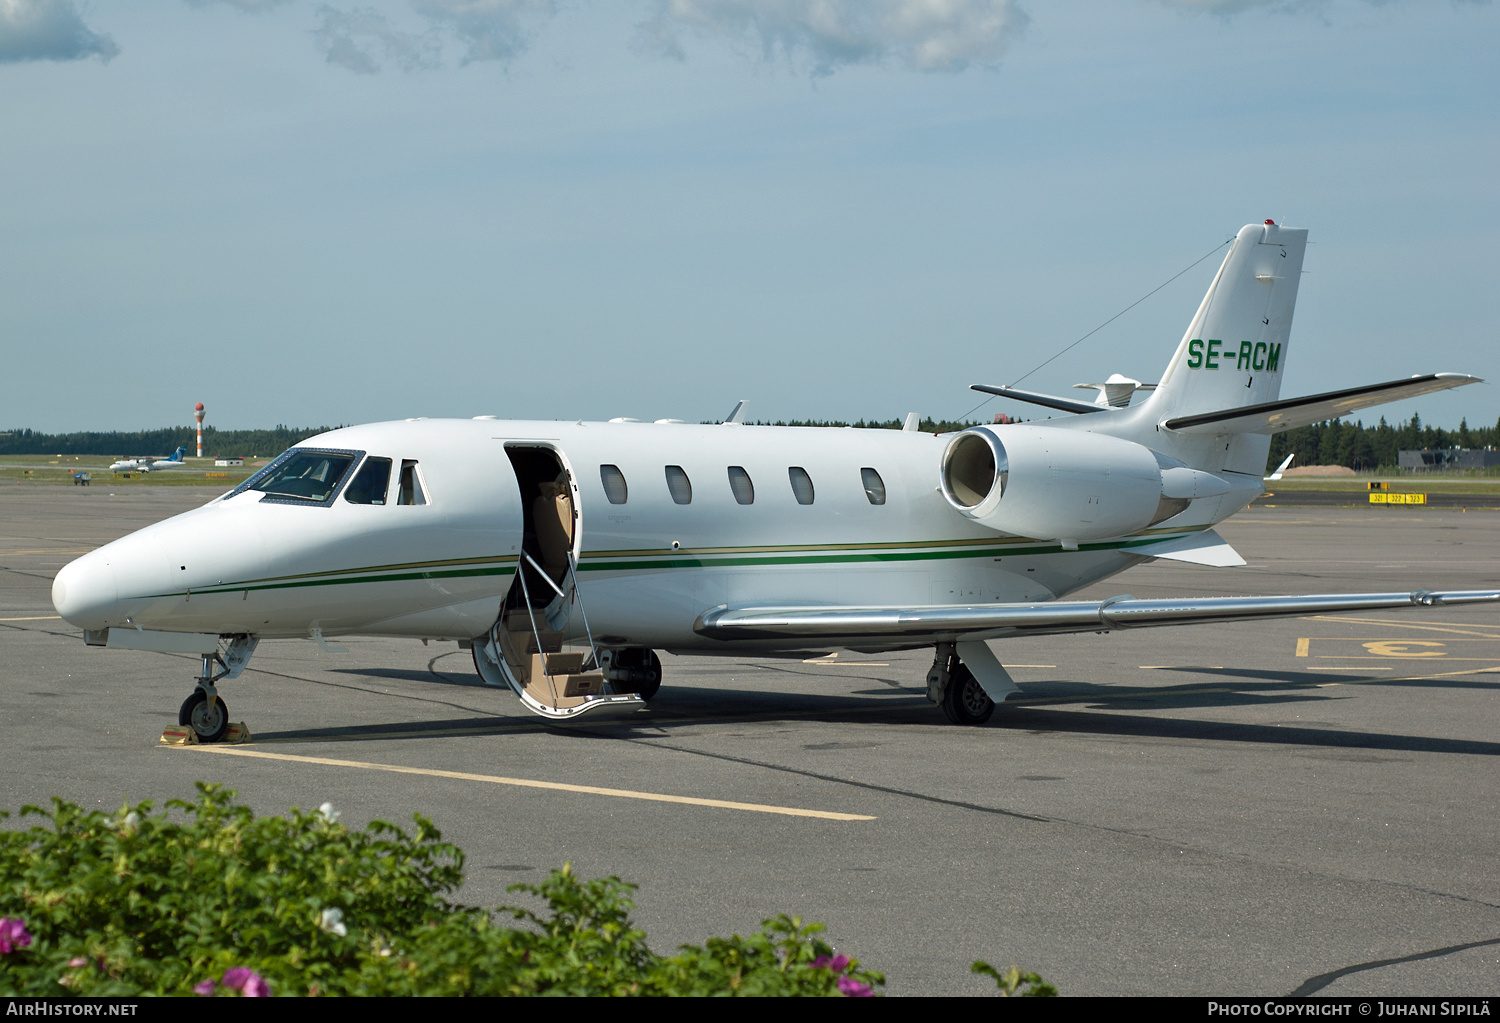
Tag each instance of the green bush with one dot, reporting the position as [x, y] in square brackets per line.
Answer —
[215, 900]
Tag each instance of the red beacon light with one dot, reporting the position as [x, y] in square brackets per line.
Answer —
[1272, 223]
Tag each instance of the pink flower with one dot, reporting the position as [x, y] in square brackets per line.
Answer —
[13, 934]
[247, 982]
[205, 989]
[854, 989]
[838, 964]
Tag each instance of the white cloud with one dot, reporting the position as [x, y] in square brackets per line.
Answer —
[922, 35]
[488, 29]
[48, 30]
[253, 6]
[363, 40]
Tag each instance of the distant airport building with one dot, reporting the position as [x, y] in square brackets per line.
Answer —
[1448, 459]
[230, 460]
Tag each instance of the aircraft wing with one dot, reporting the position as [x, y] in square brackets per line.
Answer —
[1290, 413]
[857, 626]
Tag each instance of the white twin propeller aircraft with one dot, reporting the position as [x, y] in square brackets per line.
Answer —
[564, 554]
[172, 461]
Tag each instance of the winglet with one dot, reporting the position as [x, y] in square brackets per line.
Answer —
[737, 414]
[912, 424]
[1282, 467]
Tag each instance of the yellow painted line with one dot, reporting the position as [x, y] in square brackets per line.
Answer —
[1302, 645]
[1030, 665]
[1203, 691]
[1403, 657]
[1407, 623]
[1388, 639]
[1345, 667]
[592, 790]
[38, 618]
[1181, 667]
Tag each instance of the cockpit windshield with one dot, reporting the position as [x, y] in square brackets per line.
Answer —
[312, 476]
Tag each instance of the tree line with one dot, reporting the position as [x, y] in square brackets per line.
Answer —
[1370, 448]
[1336, 442]
[216, 443]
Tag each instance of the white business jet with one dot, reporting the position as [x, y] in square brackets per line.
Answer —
[565, 554]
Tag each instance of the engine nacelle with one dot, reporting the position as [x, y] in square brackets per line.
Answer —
[1055, 484]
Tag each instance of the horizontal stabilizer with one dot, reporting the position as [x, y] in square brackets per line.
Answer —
[858, 626]
[1065, 404]
[1290, 413]
[1205, 548]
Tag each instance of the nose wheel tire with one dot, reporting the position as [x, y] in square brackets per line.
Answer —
[209, 724]
[965, 702]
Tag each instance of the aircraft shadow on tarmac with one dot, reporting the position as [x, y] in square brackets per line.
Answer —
[693, 707]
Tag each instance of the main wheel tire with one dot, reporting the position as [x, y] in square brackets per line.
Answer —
[209, 724]
[648, 689]
[640, 663]
[965, 702]
[489, 672]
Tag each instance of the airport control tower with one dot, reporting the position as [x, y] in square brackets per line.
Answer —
[198, 415]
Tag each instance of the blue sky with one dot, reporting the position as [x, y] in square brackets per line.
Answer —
[312, 213]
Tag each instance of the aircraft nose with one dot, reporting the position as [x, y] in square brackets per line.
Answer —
[85, 592]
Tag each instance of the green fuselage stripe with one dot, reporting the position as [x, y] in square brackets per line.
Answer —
[640, 560]
[697, 559]
[456, 573]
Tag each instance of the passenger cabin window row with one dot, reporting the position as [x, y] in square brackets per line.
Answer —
[616, 491]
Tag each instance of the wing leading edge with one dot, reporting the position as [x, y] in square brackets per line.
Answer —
[949, 623]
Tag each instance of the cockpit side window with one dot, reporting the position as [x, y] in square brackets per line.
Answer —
[304, 476]
[410, 491]
[371, 482]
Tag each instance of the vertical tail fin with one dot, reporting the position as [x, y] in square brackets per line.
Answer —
[1235, 348]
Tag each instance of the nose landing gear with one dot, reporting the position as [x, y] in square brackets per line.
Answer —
[204, 711]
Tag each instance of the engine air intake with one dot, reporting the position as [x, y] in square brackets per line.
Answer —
[973, 466]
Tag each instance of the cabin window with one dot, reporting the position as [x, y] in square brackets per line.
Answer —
[678, 484]
[874, 485]
[739, 483]
[802, 485]
[311, 476]
[372, 482]
[410, 490]
[615, 490]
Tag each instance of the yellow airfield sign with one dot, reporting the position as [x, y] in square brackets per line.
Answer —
[1389, 498]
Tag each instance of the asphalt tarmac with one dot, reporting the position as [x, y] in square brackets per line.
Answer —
[1302, 806]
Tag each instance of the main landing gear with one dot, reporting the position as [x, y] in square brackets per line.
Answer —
[204, 711]
[633, 670]
[952, 686]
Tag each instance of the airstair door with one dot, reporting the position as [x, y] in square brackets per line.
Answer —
[541, 645]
